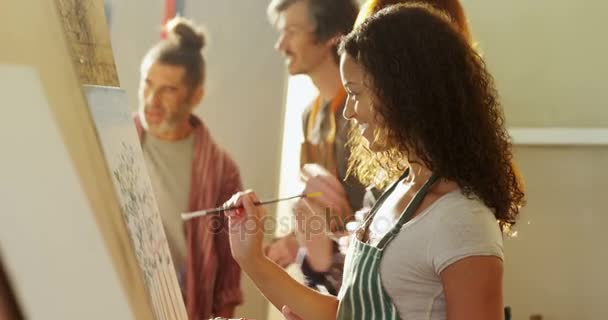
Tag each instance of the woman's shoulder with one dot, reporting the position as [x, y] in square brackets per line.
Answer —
[462, 226]
[456, 207]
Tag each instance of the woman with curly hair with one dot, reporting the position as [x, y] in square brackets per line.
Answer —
[454, 11]
[430, 124]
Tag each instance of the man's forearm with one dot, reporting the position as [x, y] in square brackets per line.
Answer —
[319, 249]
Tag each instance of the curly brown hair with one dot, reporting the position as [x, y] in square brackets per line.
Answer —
[435, 98]
[453, 8]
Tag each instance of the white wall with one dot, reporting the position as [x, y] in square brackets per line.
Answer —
[556, 264]
[245, 87]
[548, 57]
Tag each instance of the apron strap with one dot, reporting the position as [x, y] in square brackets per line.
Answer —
[365, 225]
[409, 211]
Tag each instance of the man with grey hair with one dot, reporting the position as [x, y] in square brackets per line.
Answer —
[309, 31]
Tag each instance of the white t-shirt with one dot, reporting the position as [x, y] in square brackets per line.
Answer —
[169, 165]
[450, 229]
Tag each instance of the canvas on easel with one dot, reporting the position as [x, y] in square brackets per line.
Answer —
[66, 246]
[118, 137]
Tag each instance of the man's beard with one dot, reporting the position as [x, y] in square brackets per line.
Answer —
[169, 124]
[166, 126]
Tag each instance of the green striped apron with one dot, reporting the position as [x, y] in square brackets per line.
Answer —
[362, 295]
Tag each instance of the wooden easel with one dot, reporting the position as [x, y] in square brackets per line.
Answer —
[62, 45]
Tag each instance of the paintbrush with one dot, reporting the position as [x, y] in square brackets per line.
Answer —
[188, 216]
